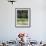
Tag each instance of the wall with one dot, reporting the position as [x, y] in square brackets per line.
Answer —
[8, 31]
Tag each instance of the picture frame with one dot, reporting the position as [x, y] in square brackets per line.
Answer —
[22, 17]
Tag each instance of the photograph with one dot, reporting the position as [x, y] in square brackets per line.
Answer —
[22, 17]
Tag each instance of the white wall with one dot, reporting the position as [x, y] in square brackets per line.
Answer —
[8, 31]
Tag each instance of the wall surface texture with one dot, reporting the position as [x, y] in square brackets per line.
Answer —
[8, 31]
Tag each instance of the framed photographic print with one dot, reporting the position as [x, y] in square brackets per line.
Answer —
[22, 17]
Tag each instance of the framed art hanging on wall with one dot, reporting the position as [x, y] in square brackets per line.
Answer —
[22, 17]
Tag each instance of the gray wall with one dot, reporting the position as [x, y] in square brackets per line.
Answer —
[8, 31]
